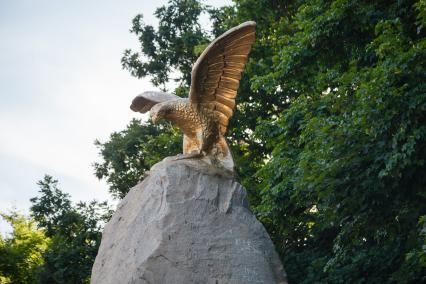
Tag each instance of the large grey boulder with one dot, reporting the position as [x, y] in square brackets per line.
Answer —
[187, 222]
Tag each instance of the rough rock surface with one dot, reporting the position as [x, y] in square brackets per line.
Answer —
[186, 223]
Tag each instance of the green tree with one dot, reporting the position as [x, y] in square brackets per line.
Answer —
[174, 46]
[21, 251]
[343, 194]
[128, 154]
[75, 232]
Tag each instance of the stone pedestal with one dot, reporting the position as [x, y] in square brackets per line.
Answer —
[186, 222]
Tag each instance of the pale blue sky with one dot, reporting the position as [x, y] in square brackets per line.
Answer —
[61, 87]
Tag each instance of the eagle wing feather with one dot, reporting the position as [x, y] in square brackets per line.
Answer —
[145, 101]
[217, 72]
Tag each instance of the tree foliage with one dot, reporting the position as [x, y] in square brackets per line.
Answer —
[58, 244]
[130, 153]
[21, 251]
[343, 193]
[74, 231]
[172, 47]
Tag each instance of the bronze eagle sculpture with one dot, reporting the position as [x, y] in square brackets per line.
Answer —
[204, 116]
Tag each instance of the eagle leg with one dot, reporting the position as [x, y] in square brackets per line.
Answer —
[191, 143]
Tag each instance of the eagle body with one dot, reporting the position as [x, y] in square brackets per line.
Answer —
[200, 126]
[203, 117]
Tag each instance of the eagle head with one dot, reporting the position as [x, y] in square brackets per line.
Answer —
[159, 111]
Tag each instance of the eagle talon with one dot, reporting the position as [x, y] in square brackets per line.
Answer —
[192, 155]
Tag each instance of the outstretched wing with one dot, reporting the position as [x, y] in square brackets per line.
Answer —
[216, 74]
[145, 101]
